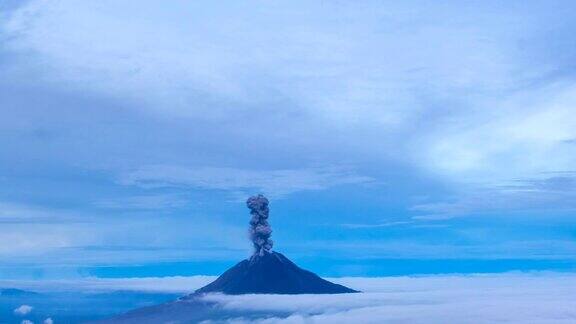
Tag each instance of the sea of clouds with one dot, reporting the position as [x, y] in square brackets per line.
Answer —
[510, 298]
[494, 298]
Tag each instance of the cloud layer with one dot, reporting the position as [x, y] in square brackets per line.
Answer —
[474, 299]
[503, 298]
[476, 103]
[275, 183]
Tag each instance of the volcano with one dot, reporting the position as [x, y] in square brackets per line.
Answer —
[268, 272]
[271, 273]
[265, 272]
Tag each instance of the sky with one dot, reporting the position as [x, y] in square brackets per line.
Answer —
[392, 138]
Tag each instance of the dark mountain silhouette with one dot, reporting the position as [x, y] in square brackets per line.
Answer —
[192, 310]
[268, 272]
[16, 292]
[271, 273]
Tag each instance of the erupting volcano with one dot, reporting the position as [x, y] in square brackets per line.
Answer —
[265, 272]
[268, 272]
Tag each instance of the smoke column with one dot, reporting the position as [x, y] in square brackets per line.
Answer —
[260, 230]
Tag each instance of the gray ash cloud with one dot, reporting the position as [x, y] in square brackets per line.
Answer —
[260, 229]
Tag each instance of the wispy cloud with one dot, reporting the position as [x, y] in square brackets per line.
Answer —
[158, 201]
[527, 133]
[17, 213]
[275, 183]
[550, 191]
[377, 225]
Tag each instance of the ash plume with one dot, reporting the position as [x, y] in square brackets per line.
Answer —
[260, 229]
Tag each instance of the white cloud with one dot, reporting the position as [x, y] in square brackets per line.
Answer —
[508, 298]
[311, 53]
[523, 135]
[448, 89]
[23, 310]
[545, 297]
[505, 158]
[27, 322]
[275, 183]
[48, 321]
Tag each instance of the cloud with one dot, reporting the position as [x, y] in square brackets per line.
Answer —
[275, 183]
[544, 297]
[122, 240]
[554, 191]
[527, 133]
[35, 231]
[159, 201]
[379, 225]
[23, 310]
[477, 247]
[178, 53]
[48, 321]
[458, 101]
[35, 241]
[17, 213]
[26, 322]
[516, 298]
[331, 81]
[491, 298]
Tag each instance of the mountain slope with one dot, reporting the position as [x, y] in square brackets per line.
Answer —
[271, 273]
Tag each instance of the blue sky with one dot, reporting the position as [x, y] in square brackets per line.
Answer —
[391, 137]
